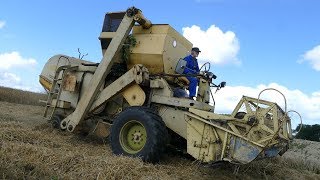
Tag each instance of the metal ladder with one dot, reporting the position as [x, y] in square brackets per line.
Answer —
[53, 92]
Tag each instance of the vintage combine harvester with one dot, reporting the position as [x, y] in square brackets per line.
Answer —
[130, 97]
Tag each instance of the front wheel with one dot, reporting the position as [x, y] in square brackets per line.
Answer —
[56, 120]
[139, 132]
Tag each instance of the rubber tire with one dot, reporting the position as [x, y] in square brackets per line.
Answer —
[156, 133]
[55, 121]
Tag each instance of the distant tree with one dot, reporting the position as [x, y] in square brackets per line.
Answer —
[308, 132]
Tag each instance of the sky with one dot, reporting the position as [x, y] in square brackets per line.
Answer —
[251, 44]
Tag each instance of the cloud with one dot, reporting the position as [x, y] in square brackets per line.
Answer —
[14, 59]
[307, 105]
[9, 79]
[9, 61]
[2, 24]
[216, 46]
[313, 57]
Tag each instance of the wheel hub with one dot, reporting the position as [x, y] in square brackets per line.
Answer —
[133, 137]
[137, 137]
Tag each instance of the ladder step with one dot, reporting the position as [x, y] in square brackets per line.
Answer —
[50, 105]
[54, 92]
[42, 101]
[51, 93]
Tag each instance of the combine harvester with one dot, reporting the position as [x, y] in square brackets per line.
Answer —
[129, 97]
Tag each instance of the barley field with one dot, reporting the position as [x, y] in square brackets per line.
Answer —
[31, 149]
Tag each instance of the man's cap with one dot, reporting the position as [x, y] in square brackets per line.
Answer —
[195, 49]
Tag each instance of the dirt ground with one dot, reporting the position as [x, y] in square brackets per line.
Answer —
[31, 149]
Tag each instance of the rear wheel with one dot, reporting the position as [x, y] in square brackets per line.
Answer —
[139, 132]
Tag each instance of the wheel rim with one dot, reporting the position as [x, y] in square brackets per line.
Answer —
[133, 137]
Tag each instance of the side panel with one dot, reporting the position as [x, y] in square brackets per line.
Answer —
[174, 120]
[158, 48]
[175, 48]
[204, 142]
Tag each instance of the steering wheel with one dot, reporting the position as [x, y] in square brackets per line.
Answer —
[206, 66]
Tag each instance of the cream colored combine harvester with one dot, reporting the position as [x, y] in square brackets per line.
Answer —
[132, 96]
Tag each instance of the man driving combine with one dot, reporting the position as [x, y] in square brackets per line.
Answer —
[192, 68]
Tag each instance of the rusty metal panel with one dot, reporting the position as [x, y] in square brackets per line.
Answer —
[69, 82]
[102, 129]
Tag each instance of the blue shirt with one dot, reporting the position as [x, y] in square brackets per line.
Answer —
[192, 66]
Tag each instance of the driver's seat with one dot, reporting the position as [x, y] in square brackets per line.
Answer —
[181, 64]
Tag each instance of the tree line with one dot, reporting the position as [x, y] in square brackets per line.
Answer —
[308, 132]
